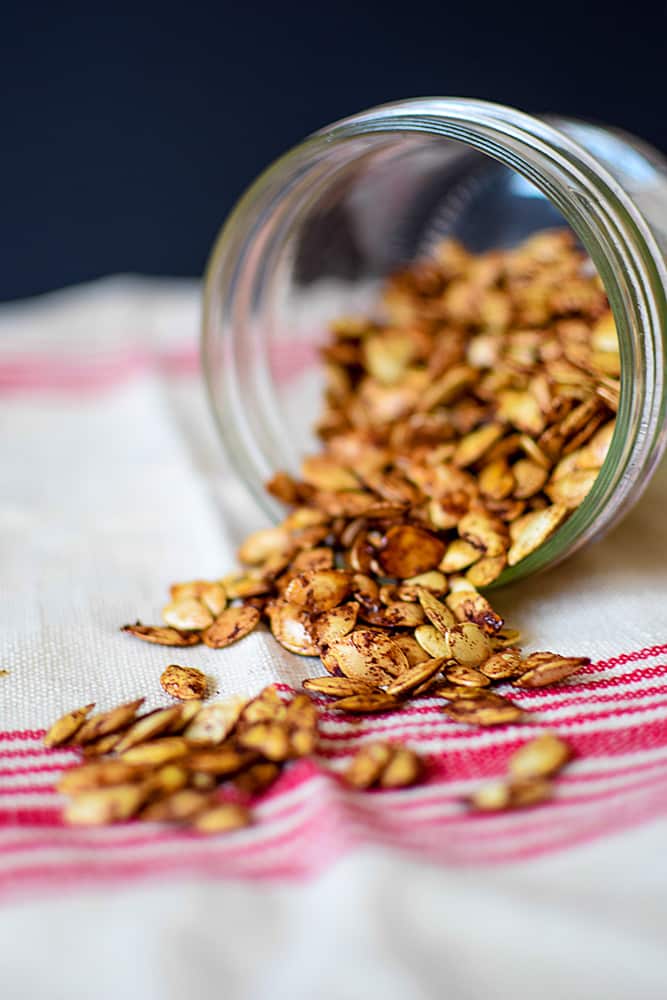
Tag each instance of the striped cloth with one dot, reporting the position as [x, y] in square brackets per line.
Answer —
[113, 485]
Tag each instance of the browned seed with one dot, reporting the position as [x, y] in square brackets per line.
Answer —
[597, 448]
[507, 510]
[484, 532]
[393, 487]
[408, 550]
[336, 687]
[486, 570]
[495, 796]
[609, 392]
[179, 807]
[202, 781]
[330, 626]
[105, 805]
[367, 765]
[268, 706]
[569, 463]
[232, 625]
[541, 669]
[456, 692]
[157, 752]
[244, 585]
[539, 758]
[551, 443]
[366, 655]
[187, 614]
[271, 739]
[530, 792]
[505, 637]
[221, 818]
[302, 742]
[162, 635]
[210, 593]
[585, 434]
[432, 641]
[374, 702]
[445, 513]
[405, 768]
[304, 518]
[149, 726]
[472, 446]
[571, 490]
[319, 590]
[349, 534]
[496, 479]
[475, 713]
[447, 388]
[499, 796]
[105, 745]
[102, 774]
[273, 568]
[342, 503]
[535, 529]
[433, 581]
[459, 555]
[436, 612]
[221, 761]
[325, 473]
[398, 614]
[466, 677]
[301, 713]
[580, 417]
[411, 648]
[468, 605]
[533, 452]
[214, 723]
[504, 449]
[108, 722]
[502, 665]
[412, 678]
[292, 628]
[257, 778]
[522, 410]
[310, 560]
[187, 711]
[386, 355]
[385, 511]
[262, 544]
[166, 779]
[184, 683]
[66, 727]
[468, 644]
[366, 590]
[529, 477]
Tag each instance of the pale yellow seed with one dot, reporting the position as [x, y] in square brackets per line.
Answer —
[540, 758]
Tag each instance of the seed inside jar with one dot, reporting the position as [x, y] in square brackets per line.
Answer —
[463, 423]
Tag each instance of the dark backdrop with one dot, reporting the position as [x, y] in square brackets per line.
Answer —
[126, 137]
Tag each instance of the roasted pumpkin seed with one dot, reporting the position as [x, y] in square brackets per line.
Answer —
[230, 626]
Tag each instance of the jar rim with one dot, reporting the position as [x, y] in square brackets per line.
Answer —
[603, 216]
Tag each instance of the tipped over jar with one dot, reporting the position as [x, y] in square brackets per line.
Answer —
[423, 222]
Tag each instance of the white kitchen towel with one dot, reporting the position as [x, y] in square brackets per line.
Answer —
[112, 486]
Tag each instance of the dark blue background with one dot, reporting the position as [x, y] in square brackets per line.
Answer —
[128, 136]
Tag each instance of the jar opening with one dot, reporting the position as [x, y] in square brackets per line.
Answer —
[317, 233]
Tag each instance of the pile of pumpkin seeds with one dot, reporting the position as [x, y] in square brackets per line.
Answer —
[199, 765]
[460, 430]
[462, 425]
[202, 766]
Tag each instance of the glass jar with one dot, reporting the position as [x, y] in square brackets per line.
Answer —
[317, 233]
